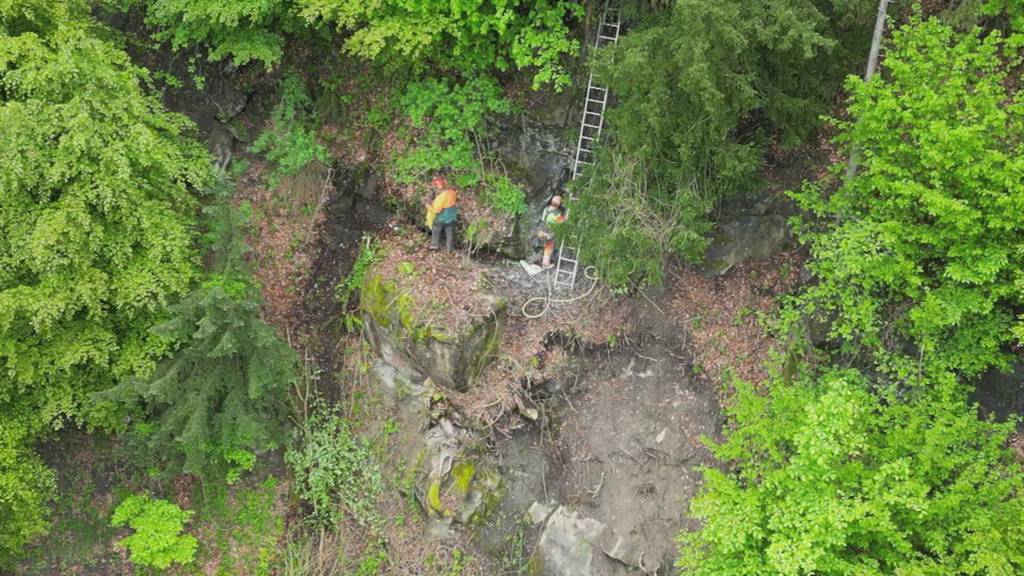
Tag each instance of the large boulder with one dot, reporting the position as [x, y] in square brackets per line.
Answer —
[451, 359]
[452, 483]
[569, 544]
[536, 148]
[748, 238]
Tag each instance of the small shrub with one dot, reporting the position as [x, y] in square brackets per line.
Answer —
[290, 144]
[502, 194]
[157, 541]
[334, 470]
[452, 120]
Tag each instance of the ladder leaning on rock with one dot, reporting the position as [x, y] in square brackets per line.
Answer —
[595, 100]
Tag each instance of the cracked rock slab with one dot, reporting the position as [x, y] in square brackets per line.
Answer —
[568, 543]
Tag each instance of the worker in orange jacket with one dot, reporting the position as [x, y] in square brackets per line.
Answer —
[442, 213]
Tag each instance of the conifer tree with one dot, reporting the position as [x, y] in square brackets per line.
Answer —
[220, 397]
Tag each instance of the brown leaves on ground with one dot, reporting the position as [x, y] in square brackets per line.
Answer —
[282, 229]
[446, 289]
[527, 356]
[450, 291]
[724, 315]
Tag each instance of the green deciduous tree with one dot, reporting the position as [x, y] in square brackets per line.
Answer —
[96, 185]
[926, 244]
[96, 192]
[26, 486]
[469, 36]
[700, 88]
[828, 479]
[243, 30]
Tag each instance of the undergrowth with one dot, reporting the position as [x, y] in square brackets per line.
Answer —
[290, 143]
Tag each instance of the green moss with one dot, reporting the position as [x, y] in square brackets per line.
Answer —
[462, 475]
[381, 301]
[489, 351]
[376, 294]
[488, 481]
[434, 497]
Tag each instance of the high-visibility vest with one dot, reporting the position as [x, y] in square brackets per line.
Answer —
[443, 208]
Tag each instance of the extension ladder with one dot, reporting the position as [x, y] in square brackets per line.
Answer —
[595, 100]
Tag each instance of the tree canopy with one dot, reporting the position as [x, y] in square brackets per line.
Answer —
[701, 88]
[925, 245]
[97, 189]
[469, 37]
[829, 478]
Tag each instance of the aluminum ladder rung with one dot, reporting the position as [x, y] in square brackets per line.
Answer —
[608, 30]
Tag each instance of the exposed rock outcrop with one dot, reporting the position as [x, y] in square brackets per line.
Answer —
[452, 360]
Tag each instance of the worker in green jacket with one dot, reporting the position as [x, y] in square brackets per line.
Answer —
[554, 213]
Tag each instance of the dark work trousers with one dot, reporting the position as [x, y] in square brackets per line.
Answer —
[449, 235]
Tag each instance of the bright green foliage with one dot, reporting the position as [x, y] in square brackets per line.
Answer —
[39, 16]
[334, 471]
[26, 485]
[290, 144]
[96, 185]
[832, 480]
[244, 30]
[96, 189]
[450, 122]
[221, 396]
[468, 36]
[700, 87]
[157, 541]
[926, 243]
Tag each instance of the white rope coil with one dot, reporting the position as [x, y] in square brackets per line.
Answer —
[590, 273]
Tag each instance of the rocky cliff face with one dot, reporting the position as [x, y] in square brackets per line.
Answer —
[452, 359]
[535, 146]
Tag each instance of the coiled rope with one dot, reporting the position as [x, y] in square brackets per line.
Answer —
[590, 273]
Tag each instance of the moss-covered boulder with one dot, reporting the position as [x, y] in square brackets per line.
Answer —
[456, 486]
[452, 355]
